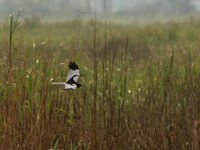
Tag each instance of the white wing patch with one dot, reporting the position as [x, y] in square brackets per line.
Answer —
[69, 86]
[75, 78]
[71, 73]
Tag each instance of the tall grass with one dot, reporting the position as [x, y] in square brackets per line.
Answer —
[14, 23]
[140, 87]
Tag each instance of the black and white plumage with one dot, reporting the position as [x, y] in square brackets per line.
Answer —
[72, 77]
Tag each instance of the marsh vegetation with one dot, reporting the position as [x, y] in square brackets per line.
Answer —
[140, 86]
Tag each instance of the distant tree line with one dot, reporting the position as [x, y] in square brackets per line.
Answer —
[162, 7]
[105, 7]
[66, 7]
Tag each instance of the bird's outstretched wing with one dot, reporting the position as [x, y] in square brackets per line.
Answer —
[73, 72]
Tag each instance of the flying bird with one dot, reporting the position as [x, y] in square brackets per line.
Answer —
[72, 77]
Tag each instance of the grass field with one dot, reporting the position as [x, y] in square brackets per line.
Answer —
[140, 86]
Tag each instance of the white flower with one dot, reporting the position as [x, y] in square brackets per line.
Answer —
[118, 69]
[34, 45]
[85, 68]
[42, 43]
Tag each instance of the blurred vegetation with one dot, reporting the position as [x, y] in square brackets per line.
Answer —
[140, 86]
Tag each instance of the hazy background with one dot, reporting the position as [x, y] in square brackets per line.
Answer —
[60, 9]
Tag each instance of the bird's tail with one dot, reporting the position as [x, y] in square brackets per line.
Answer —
[58, 83]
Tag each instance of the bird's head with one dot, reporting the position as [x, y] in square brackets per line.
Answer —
[78, 85]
